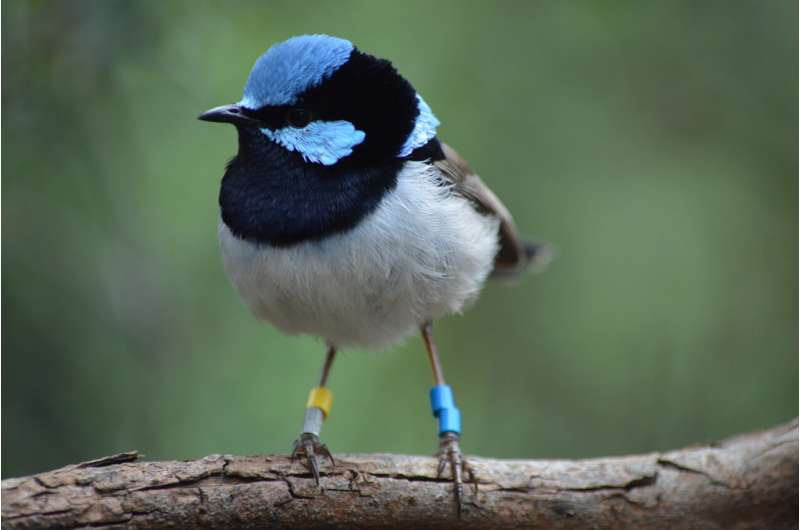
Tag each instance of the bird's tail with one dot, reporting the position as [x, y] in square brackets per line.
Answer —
[536, 258]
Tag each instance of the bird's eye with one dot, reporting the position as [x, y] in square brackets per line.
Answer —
[299, 117]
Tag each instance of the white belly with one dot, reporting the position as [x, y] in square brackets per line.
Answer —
[421, 254]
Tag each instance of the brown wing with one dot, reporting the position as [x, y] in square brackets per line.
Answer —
[514, 253]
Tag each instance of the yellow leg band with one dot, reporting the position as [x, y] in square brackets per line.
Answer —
[322, 398]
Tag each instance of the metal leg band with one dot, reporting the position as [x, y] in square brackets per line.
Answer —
[312, 423]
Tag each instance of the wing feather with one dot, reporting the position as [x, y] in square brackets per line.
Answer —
[514, 253]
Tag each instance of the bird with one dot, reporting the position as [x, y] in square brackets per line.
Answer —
[344, 217]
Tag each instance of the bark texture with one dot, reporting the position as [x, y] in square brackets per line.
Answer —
[746, 482]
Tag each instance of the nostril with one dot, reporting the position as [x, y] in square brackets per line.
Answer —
[234, 110]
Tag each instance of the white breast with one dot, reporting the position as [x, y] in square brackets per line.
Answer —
[421, 254]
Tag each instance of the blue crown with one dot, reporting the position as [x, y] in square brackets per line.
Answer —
[289, 68]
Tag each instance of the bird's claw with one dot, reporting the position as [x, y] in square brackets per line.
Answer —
[309, 446]
[450, 453]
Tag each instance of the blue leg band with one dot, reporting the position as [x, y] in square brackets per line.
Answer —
[444, 408]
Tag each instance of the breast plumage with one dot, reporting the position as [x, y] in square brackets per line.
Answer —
[422, 253]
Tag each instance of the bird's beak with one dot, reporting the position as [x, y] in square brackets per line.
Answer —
[229, 114]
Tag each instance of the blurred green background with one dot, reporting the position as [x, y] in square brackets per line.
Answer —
[653, 143]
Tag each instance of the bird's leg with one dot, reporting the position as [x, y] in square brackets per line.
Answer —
[445, 410]
[318, 407]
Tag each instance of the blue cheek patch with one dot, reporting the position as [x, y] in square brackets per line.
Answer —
[424, 129]
[288, 69]
[322, 142]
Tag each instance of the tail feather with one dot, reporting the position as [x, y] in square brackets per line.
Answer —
[537, 256]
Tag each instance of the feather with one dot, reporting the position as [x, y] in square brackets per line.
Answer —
[514, 253]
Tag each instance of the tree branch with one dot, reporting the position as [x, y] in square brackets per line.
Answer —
[749, 481]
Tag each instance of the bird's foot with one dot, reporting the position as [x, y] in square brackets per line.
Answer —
[309, 448]
[450, 453]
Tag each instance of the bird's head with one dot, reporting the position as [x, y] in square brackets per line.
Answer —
[322, 98]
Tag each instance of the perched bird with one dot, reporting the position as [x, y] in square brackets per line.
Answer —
[344, 217]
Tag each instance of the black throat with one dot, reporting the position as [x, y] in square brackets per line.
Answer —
[272, 196]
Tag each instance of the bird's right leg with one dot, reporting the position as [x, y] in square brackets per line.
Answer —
[318, 407]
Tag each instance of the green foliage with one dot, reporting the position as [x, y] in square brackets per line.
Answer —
[653, 143]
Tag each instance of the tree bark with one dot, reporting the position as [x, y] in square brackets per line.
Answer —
[750, 481]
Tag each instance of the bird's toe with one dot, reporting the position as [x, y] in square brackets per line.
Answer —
[308, 448]
[461, 471]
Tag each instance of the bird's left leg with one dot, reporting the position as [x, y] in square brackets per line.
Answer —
[444, 408]
[318, 407]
